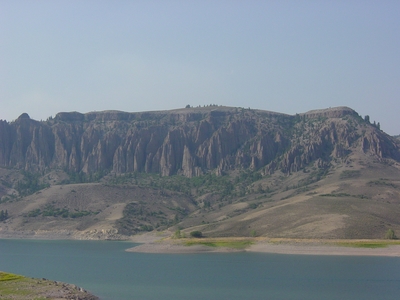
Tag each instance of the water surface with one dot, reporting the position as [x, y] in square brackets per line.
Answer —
[105, 269]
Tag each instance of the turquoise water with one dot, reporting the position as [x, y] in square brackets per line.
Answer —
[105, 269]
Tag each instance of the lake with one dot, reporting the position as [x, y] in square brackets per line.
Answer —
[106, 270]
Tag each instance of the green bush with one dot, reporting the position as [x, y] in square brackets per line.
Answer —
[196, 234]
[390, 235]
[177, 234]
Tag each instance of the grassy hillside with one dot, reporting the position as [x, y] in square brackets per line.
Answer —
[356, 199]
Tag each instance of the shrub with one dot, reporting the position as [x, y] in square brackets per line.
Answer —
[3, 215]
[196, 234]
[390, 235]
[177, 234]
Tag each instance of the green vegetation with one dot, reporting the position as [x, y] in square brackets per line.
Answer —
[315, 175]
[30, 184]
[225, 186]
[17, 287]
[344, 195]
[9, 276]
[390, 235]
[14, 286]
[382, 182]
[177, 234]
[137, 218]
[8, 198]
[3, 215]
[196, 234]
[367, 244]
[350, 174]
[80, 177]
[234, 244]
[222, 189]
[51, 211]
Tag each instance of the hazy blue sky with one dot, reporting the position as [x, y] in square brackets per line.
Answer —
[284, 56]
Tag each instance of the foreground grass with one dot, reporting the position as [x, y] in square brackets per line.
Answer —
[368, 243]
[14, 286]
[243, 243]
[17, 287]
[227, 243]
[9, 276]
[365, 243]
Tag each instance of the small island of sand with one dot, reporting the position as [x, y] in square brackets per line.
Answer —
[150, 243]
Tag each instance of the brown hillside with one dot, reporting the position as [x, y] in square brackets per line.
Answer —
[225, 171]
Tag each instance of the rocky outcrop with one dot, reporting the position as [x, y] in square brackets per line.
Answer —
[334, 112]
[189, 141]
[380, 145]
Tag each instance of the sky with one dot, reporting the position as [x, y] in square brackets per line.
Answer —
[282, 56]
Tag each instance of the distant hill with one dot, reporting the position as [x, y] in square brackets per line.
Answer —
[223, 170]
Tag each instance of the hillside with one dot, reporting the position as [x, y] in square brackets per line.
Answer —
[222, 170]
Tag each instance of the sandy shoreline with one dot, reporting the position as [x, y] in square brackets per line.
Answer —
[172, 248]
[293, 247]
[162, 243]
[391, 250]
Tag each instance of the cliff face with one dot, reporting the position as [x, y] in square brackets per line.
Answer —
[189, 141]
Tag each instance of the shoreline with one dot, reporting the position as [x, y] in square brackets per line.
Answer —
[327, 249]
[20, 287]
[275, 246]
[163, 243]
[96, 235]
